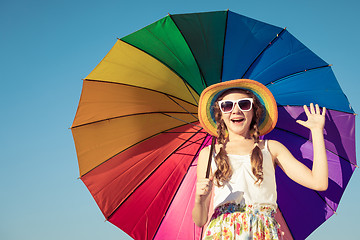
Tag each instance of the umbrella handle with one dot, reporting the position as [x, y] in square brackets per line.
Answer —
[210, 155]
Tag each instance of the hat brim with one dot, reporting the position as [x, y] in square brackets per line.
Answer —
[211, 93]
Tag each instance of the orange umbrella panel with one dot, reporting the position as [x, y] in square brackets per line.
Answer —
[110, 119]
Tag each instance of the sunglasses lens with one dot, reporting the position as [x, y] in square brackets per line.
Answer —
[245, 105]
[226, 106]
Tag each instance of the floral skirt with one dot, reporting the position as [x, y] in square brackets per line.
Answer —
[233, 221]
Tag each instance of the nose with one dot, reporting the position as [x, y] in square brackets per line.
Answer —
[236, 109]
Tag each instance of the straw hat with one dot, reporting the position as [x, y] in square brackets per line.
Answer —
[211, 93]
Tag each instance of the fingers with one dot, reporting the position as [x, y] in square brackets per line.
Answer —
[314, 109]
[203, 186]
[306, 110]
[323, 111]
[301, 122]
[317, 111]
[315, 117]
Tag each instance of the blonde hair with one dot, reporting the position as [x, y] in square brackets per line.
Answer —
[224, 170]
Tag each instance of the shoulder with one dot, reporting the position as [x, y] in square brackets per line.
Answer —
[275, 147]
[204, 152]
[274, 143]
[203, 161]
[204, 155]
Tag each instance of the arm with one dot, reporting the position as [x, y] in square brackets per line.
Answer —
[203, 190]
[317, 178]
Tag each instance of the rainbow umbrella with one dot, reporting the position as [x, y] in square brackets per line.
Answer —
[137, 134]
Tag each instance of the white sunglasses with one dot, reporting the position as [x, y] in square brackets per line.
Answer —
[244, 104]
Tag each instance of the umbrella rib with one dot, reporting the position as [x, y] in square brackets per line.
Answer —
[270, 43]
[297, 73]
[289, 94]
[190, 165]
[182, 120]
[183, 79]
[149, 89]
[187, 86]
[129, 115]
[173, 70]
[144, 180]
[192, 53]
[223, 51]
[305, 91]
[181, 106]
[164, 131]
[294, 105]
[284, 130]
[191, 142]
[180, 132]
[163, 43]
[324, 200]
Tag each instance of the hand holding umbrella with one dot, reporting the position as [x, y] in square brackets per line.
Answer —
[203, 189]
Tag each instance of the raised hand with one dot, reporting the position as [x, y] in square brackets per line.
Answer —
[316, 119]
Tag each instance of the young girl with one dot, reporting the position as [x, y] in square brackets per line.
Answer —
[242, 174]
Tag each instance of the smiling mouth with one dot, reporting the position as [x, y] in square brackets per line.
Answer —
[237, 120]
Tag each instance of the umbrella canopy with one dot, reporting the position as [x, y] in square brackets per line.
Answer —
[137, 135]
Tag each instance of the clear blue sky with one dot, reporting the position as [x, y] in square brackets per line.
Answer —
[47, 47]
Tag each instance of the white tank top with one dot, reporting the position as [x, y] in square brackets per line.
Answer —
[241, 188]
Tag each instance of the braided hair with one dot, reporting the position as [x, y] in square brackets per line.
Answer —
[224, 170]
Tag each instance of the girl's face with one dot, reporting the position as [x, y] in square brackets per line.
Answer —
[237, 121]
